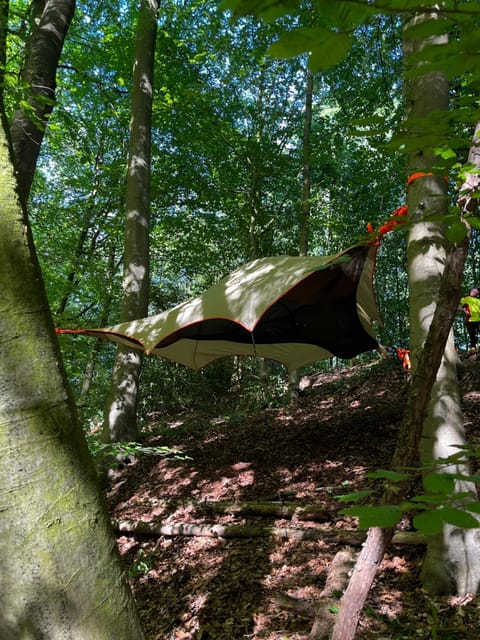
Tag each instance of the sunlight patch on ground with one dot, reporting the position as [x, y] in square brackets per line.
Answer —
[176, 479]
[242, 477]
[390, 603]
[472, 395]
[175, 424]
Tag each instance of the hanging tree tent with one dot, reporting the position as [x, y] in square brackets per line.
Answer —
[291, 309]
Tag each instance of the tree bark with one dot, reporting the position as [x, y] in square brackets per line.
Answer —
[452, 562]
[321, 610]
[4, 5]
[306, 168]
[304, 232]
[89, 373]
[406, 451]
[50, 22]
[468, 200]
[60, 571]
[431, 354]
[120, 422]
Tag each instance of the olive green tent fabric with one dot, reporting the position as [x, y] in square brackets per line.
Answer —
[294, 310]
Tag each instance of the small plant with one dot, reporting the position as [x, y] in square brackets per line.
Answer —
[141, 564]
[118, 452]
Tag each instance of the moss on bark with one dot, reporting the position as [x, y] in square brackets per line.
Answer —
[60, 572]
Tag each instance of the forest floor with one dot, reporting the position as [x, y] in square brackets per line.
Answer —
[322, 445]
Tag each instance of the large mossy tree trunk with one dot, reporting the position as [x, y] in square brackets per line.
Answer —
[60, 571]
[120, 423]
[452, 562]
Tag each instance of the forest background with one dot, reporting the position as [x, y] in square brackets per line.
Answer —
[226, 181]
[230, 160]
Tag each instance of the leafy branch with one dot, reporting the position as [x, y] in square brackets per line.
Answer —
[440, 503]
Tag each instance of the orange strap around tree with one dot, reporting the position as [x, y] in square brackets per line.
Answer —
[398, 215]
[421, 174]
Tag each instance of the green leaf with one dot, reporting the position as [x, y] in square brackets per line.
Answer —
[266, 9]
[474, 221]
[432, 522]
[459, 518]
[445, 152]
[354, 496]
[456, 232]
[327, 48]
[439, 483]
[331, 52]
[383, 516]
[429, 522]
[393, 476]
[344, 15]
[428, 28]
[429, 498]
[474, 507]
[466, 477]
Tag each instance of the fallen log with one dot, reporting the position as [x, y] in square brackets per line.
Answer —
[266, 509]
[339, 536]
[262, 508]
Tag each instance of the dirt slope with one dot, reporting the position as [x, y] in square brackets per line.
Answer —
[212, 588]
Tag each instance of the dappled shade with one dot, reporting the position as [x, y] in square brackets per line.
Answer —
[291, 309]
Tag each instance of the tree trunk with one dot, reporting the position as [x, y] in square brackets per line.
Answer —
[267, 509]
[4, 4]
[60, 572]
[120, 422]
[49, 25]
[97, 348]
[452, 561]
[303, 237]
[306, 168]
[468, 200]
[406, 451]
[335, 584]
[433, 346]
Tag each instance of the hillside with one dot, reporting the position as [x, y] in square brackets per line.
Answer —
[202, 587]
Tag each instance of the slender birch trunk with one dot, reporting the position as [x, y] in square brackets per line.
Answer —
[452, 562]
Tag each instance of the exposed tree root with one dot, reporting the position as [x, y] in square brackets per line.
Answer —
[322, 611]
[335, 585]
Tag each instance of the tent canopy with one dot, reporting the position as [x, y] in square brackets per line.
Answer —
[291, 309]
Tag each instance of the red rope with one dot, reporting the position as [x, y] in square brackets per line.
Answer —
[401, 212]
[70, 330]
